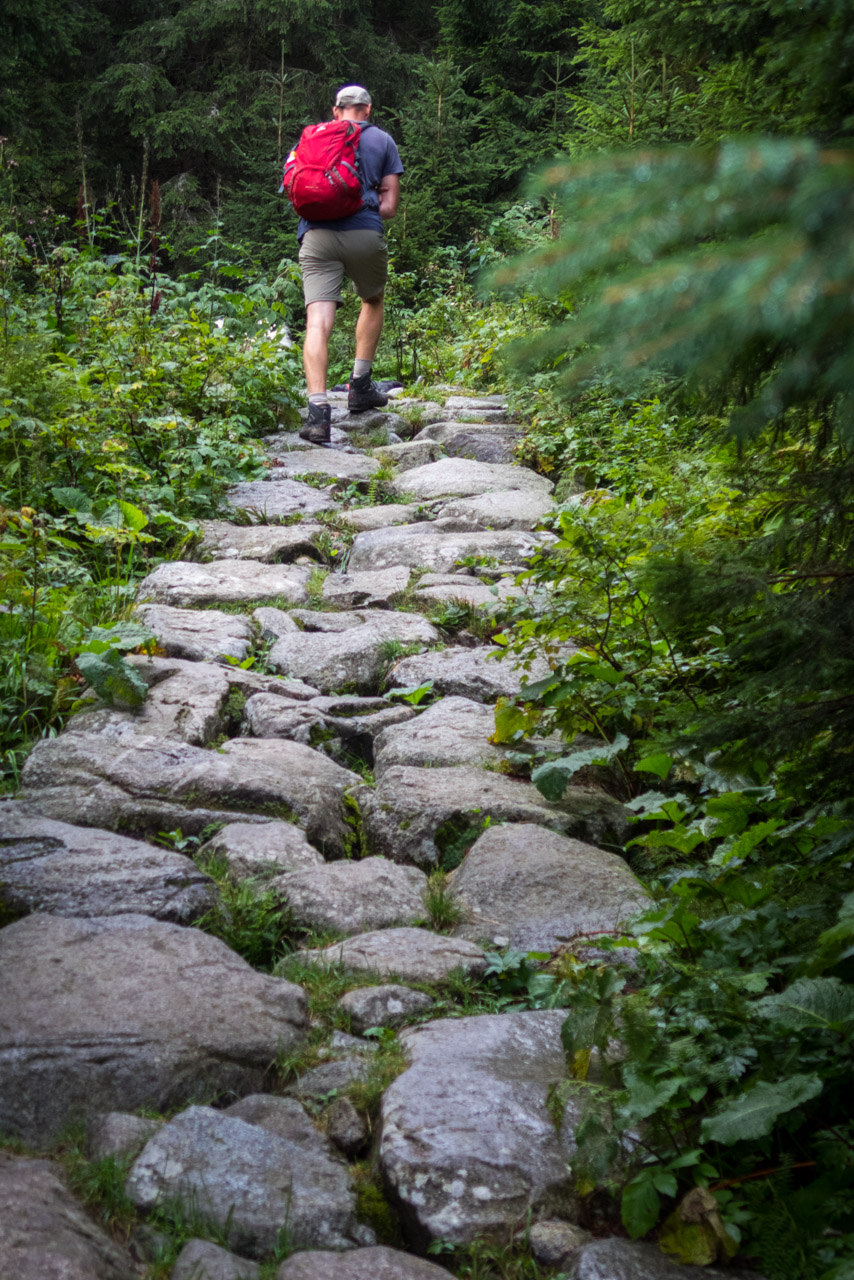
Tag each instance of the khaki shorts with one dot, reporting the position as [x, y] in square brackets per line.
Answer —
[327, 256]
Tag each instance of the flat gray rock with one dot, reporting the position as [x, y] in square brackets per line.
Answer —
[200, 635]
[124, 1012]
[118, 1134]
[409, 454]
[60, 869]
[453, 731]
[425, 546]
[480, 673]
[483, 446]
[248, 1180]
[274, 622]
[391, 513]
[203, 1260]
[326, 462]
[372, 590]
[378, 1263]
[187, 585]
[338, 735]
[345, 1127]
[264, 501]
[472, 403]
[259, 851]
[369, 422]
[415, 955]
[45, 1234]
[555, 1243]
[269, 543]
[415, 815]
[503, 509]
[352, 658]
[470, 1154]
[330, 1078]
[618, 1259]
[384, 1006]
[465, 589]
[186, 701]
[539, 890]
[458, 477]
[147, 786]
[352, 897]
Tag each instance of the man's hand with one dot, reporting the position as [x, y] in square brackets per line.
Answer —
[389, 194]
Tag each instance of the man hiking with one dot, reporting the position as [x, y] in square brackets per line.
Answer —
[334, 246]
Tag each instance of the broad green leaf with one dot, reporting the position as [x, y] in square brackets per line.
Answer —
[112, 678]
[752, 1114]
[552, 777]
[824, 1003]
[648, 1096]
[640, 1206]
[72, 499]
[659, 763]
[134, 518]
[509, 720]
[123, 636]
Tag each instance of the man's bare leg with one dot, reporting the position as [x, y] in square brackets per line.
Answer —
[369, 327]
[319, 319]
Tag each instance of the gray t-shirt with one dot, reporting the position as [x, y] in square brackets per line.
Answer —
[378, 157]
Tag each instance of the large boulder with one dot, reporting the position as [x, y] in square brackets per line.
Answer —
[502, 509]
[200, 635]
[124, 1012]
[453, 731]
[266, 542]
[538, 890]
[145, 785]
[60, 869]
[383, 1006]
[470, 1154]
[343, 651]
[254, 1182]
[423, 546]
[417, 815]
[389, 513]
[351, 897]
[192, 586]
[458, 477]
[379, 1263]
[465, 589]
[333, 463]
[415, 955]
[266, 502]
[478, 673]
[370, 590]
[45, 1234]
[203, 1260]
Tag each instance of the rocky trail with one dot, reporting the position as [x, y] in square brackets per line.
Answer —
[401, 850]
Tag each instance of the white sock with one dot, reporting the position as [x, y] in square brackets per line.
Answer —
[361, 367]
[319, 397]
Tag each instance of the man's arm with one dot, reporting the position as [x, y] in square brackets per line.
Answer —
[389, 194]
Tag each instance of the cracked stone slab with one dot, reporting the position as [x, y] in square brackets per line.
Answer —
[468, 673]
[458, 477]
[369, 421]
[269, 543]
[122, 1012]
[469, 403]
[186, 701]
[408, 818]
[278, 501]
[425, 547]
[384, 1006]
[618, 1259]
[248, 1180]
[453, 731]
[414, 955]
[440, 432]
[409, 454]
[187, 585]
[538, 890]
[326, 462]
[465, 589]
[315, 725]
[379, 1263]
[261, 850]
[390, 513]
[472, 1160]
[60, 869]
[45, 1234]
[145, 785]
[354, 657]
[199, 635]
[377, 589]
[503, 509]
[482, 446]
[281, 444]
[354, 897]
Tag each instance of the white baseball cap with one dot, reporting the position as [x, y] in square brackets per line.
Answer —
[352, 95]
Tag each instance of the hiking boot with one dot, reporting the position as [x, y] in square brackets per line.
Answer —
[317, 424]
[365, 394]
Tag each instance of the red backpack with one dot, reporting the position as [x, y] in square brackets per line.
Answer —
[321, 177]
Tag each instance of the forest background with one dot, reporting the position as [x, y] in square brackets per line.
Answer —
[636, 217]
